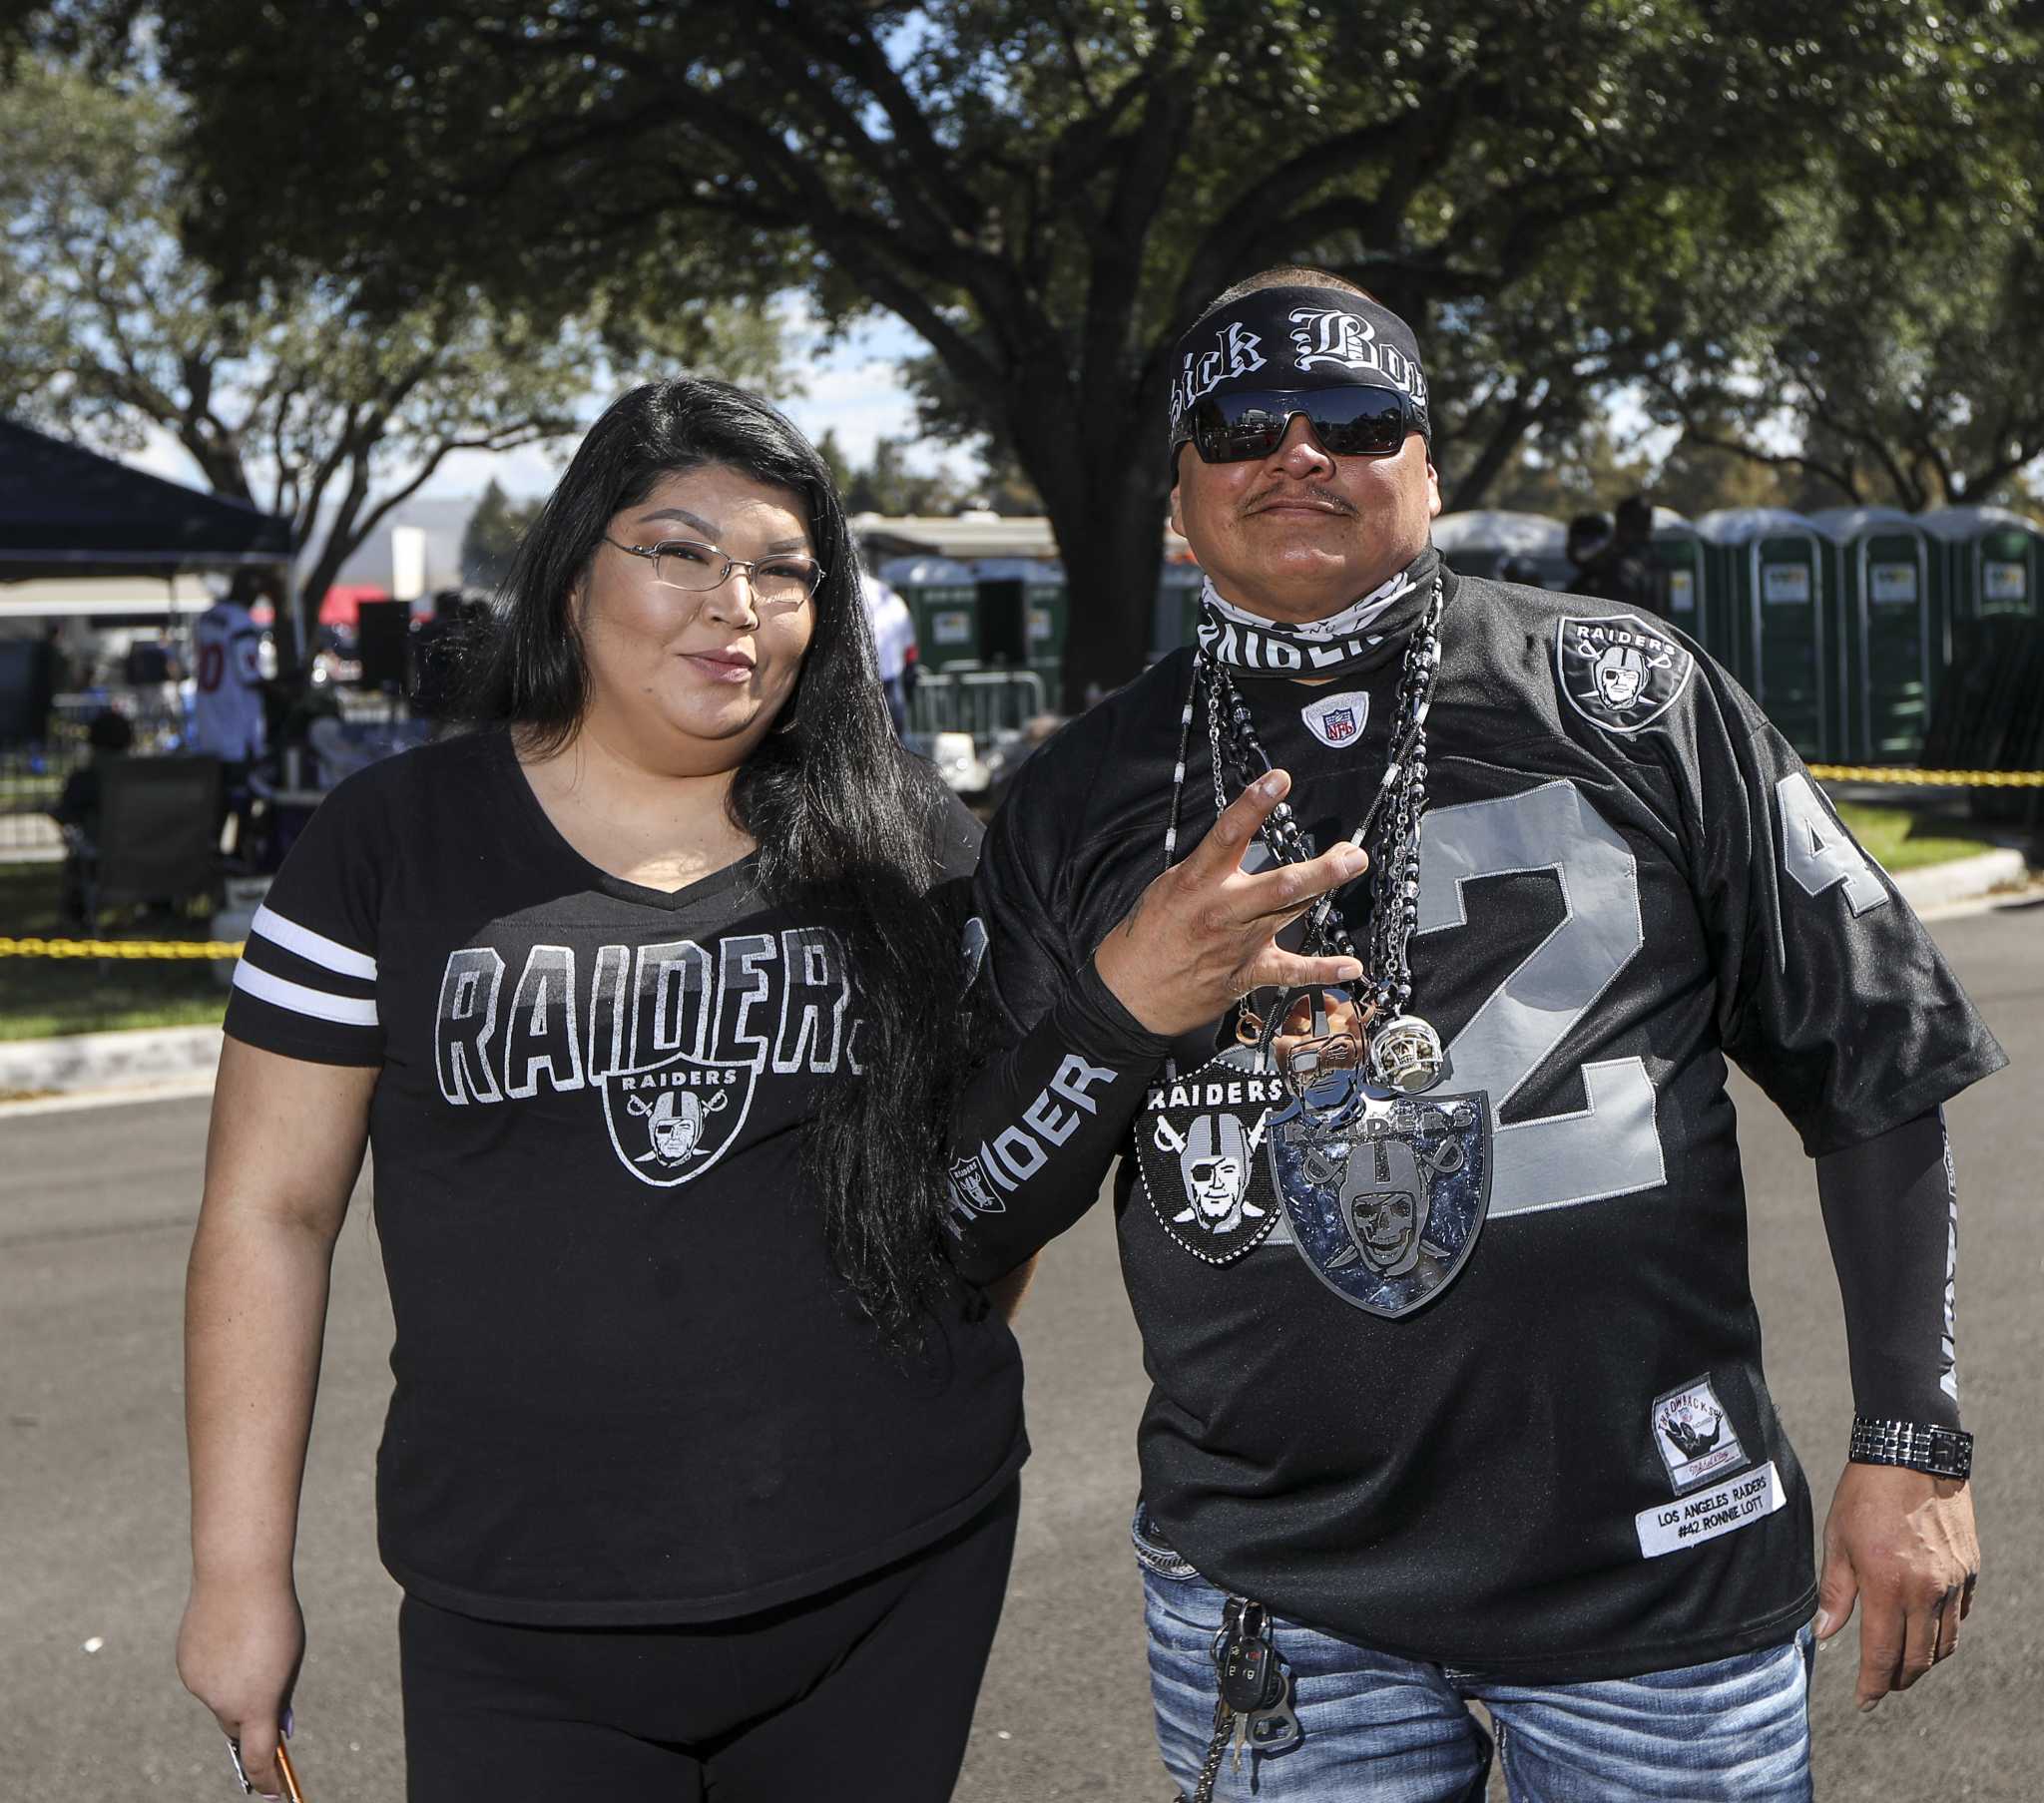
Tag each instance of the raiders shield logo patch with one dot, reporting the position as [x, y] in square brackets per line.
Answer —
[671, 1122]
[1198, 1148]
[1622, 671]
[1384, 1194]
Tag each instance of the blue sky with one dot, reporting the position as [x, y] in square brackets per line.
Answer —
[853, 389]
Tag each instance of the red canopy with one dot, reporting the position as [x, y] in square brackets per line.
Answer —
[338, 608]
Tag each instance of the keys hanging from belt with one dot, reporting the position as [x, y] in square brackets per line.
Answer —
[1255, 1705]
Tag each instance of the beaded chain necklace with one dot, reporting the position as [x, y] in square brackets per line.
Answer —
[1405, 1052]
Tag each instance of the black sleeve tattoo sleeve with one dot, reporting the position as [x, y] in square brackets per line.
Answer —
[1890, 1208]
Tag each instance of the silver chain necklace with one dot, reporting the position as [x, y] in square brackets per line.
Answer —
[1404, 1052]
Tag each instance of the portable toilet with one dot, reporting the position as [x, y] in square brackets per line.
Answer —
[1778, 570]
[1890, 631]
[1680, 555]
[1475, 543]
[1046, 617]
[1994, 560]
[944, 600]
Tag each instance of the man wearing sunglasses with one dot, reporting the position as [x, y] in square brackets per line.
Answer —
[1538, 1468]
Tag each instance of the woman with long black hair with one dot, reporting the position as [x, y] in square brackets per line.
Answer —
[698, 1474]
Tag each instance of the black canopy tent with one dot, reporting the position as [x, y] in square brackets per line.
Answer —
[67, 511]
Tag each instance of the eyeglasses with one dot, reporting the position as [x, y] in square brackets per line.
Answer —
[694, 568]
[1249, 423]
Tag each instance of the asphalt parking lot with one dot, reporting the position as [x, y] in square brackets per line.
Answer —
[96, 1211]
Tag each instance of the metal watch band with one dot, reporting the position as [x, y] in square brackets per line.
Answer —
[1942, 1452]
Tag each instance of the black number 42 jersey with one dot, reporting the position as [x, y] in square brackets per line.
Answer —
[1566, 1465]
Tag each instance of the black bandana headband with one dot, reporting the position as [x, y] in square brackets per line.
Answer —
[1289, 339]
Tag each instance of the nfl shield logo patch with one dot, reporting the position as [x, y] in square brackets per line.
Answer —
[1622, 671]
[1336, 720]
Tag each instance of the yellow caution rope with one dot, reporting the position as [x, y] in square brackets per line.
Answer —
[1950, 779]
[120, 948]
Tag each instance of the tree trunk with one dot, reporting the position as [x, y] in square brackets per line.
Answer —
[1110, 532]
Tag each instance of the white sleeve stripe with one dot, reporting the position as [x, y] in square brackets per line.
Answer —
[296, 997]
[317, 948]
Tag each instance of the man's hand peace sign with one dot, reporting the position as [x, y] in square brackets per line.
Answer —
[1205, 933]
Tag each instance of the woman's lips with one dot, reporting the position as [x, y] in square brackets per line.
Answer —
[720, 667]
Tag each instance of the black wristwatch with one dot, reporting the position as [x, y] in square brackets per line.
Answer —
[1942, 1452]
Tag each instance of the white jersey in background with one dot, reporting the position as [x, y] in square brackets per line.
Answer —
[893, 627]
[227, 700]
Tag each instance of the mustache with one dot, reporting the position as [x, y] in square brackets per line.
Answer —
[1329, 498]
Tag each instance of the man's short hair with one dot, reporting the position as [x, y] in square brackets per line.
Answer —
[110, 731]
[1635, 518]
[1284, 275]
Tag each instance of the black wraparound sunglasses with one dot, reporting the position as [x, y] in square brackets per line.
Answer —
[1248, 423]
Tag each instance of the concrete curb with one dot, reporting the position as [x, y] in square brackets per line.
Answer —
[1963, 879]
[154, 1056]
[100, 1061]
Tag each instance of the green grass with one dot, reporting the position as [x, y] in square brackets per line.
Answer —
[1899, 840]
[42, 997]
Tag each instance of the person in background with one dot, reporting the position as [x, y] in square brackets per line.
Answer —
[700, 1473]
[228, 696]
[1589, 542]
[110, 735]
[1639, 583]
[894, 630]
[1613, 559]
[442, 648]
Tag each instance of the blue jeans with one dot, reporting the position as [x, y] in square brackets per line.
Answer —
[1394, 1730]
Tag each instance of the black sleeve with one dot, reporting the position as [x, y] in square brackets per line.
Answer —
[306, 986]
[1892, 1213]
[1831, 994]
[1038, 1127]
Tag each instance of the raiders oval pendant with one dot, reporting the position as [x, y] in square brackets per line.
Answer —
[1406, 1054]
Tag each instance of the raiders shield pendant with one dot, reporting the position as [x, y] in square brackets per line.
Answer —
[1384, 1194]
[1200, 1141]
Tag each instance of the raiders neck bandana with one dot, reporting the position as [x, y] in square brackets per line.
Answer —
[1288, 339]
[1249, 644]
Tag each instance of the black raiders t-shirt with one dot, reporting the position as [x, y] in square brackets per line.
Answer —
[630, 1384]
[1566, 1463]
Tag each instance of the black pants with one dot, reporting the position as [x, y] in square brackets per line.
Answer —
[864, 1692]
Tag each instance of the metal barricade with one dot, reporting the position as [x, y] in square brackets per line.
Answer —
[983, 703]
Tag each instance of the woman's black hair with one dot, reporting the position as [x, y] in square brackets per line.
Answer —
[843, 817]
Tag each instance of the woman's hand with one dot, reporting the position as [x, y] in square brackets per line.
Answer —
[238, 1650]
[1203, 934]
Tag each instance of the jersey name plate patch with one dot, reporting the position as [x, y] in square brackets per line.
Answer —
[1738, 1502]
[1384, 1194]
[1199, 1144]
[1621, 670]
